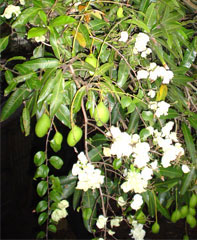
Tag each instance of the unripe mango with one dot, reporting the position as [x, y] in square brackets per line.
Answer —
[184, 211]
[42, 125]
[191, 220]
[176, 215]
[101, 114]
[58, 138]
[155, 228]
[74, 136]
[193, 201]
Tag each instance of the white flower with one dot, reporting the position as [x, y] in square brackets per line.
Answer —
[141, 42]
[135, 138]
[76, 169]
[142, 74]
[151, 93]
[173, 136]
[137, 202]
[185, 168]
[40, 39]
[58, 214]
[147, 173]
[121, 201]
[101, 221]
[152, 66]
[124, 36]
[82, 158]
[167, 77]
[110, 232]
[10, 9]
[153, 105]
[150, 129]
[134, 182]
[116, 222]
[167, 128]
[153, 75]
[141, 157]
[154, 165]
[63, 204]
[122, 143]
[146, 52]
[106, 152]
[22, 2]
[137, 232]
[162, 108]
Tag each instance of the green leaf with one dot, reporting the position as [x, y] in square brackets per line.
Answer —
[117, 163]
[56, 185]
[25, 16]
[103, 69]
[41, 235]
[68, 189]
[9, 76]
[48, 86]
[98, 24]
[140, 24]
[95, 154]
[42, 171]
[36, 32]
[161, 209]
[63, 114]
[41, 206]
[41, 63]
[57, 94]
[56, 162]
[10, 88]
[189, 58]
[151, 16]
[52, 228]
[123, 73]
[86, 213]
[144, 134]
[42, 218]
[16, 58]
[147, 115]
[189, 142]
[76, 197]
[14, 102]
[3, 43]
[77, 103]
[54, 41]
[43, 16]
[133, 122]
[42, 188]
[171, 172]
[61, 20]
[39, 158]
[54, 196]
[187, 181]
[68, 179]
[193, 121]
[26, 120]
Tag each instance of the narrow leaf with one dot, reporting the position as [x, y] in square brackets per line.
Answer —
[3, 43]
[26, 120]
[123, 73]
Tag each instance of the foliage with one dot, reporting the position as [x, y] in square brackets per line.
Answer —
[136, 61]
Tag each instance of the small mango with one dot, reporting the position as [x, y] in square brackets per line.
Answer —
[74, 136]
[42, 125]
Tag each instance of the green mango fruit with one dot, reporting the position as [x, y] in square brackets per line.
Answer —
[92, 61]
[101, 114]
[120, 12]
[191, 220]
[184, 211]
[176, 215]
[193, 201]
[192, 211]
[141, 218]
[74, 136]
[42, 126]
[58, 138]
[155, 228]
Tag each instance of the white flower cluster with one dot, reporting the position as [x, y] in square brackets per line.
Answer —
[123, 36]
[10, 9]
[137, 202]
[140, 45]
[160, 108]
[60, 212]
[101, 221]
[89, 177]
[168, 141]
[134, 182]
[154, 71]
[22, 2]
[115, 222]
[137, 232]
